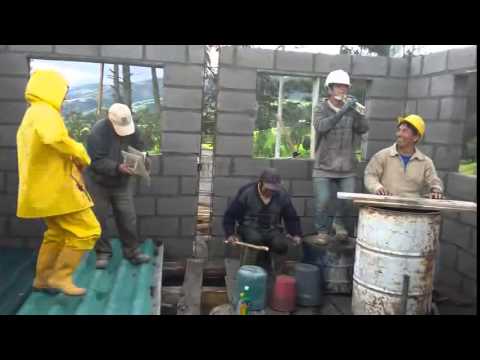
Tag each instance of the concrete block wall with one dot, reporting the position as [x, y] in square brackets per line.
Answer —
[236, 112]
[166, 210]
[437, 90]
[458, 239]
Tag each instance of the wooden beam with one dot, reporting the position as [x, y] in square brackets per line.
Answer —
[190, 303]
[157, 290]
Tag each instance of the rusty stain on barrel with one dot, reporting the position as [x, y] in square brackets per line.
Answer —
[391, 244]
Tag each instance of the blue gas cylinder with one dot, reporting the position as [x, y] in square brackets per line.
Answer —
[256, 279]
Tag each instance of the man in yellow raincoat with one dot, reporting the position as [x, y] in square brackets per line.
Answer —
[51, 186]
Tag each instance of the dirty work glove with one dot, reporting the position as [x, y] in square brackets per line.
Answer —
[436, 194]
[295, 239]
[232, 239]
[382, 191]
[124, 169]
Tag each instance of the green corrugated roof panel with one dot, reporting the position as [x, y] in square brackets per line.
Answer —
[119, 289]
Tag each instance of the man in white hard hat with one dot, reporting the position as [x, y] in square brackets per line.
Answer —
[338, 123]
[110, 182]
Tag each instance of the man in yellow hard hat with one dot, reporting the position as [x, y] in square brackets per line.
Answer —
[51, 187]
[402, 169]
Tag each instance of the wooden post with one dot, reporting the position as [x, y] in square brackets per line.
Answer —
[100, 91]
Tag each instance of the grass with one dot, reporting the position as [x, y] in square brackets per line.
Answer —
[468, 168]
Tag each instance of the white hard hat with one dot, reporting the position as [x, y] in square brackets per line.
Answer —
[121, 119]
[337, 77]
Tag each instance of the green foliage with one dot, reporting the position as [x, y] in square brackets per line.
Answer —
[468, 168]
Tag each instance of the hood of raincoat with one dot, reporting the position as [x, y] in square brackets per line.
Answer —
[47, 86]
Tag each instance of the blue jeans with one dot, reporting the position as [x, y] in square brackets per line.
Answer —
[322, 189]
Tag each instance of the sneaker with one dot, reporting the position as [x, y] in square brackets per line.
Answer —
[320, 239]
[139, 258]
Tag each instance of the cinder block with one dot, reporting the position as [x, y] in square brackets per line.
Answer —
[183, 75]
[308, 226]
[428, 108]
[145, 205]
[370, 65]
[188, 121]
[456, 233]
[310, 207]
[452, 108]
[469, 218]
[122, 51]
[13, 88]
[13, 64]
[178, 248]
[436, 62]
[448, 255]
[180, 143]
[384, 109]
[219, 205]
[180, 165]
[11, 112]
[235, 123]
[3, 226]
[256, 58]
[237, 101]
[444, 133]
[382, 130]
[216, 248]
[8, 204]
[467, 264]
[228, 186]
[226, 55]
[234, 145]
[156, 166]
[221, 166]
[183, 98]
[249, 167]
[469, 288]
[299, 205]
[217, 228]
[159, 226]
[449, 277]
[8, 135]
[462, 58]
[411, 107]
[427, 150]
[189, 185]
[462, 187]
[160, 186]
[398, 67]
[8, 159]
[447, 157]
[180, 205]
[12, 183]
[82, 50]
[2, 181]
[22, 227]
[390, 88]
[187, 227]
[196, 54]
[325, 63]
[31, 48]
[293, 168]
[416, 65]
[302, 188]
[241, 79]
[167, 53]
[294, 61]
[418, 87]
[443, 85]
[375, 146]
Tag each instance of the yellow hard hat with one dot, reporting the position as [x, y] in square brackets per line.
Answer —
[416, 121]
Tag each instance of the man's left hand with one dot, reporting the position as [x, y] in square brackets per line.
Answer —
[296, 239]
[435, 194]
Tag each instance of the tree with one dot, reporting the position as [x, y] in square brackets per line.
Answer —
[127, 85]
[156, 91]
[117, 96]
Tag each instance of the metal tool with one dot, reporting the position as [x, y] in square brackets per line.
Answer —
[361, 109]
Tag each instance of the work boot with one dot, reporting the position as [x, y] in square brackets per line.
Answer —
[139, 258]
[102, 261]
[341, 233]
[66, 264]
[320, 239]
[46, 259]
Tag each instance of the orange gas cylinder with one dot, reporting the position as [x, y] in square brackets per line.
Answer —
[284, 294]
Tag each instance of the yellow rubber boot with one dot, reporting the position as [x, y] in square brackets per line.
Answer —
[46, 260]
[62, 279]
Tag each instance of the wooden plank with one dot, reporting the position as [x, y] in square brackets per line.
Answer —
[190, 303]
[157, 291]
[231, 269]
[397, 205]
[412, 203]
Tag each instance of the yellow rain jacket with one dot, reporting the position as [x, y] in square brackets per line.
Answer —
[49, 182]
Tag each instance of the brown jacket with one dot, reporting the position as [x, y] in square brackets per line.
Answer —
[386, 169]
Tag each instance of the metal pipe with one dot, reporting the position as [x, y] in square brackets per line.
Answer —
[403, 304]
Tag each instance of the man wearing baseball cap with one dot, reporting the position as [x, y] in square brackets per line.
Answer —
[259, 208]
[110, 182]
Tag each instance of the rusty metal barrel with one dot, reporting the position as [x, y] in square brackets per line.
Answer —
[394, 261]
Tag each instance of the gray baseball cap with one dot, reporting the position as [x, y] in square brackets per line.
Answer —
[271, 179]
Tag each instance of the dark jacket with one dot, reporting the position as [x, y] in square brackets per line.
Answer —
[248, 209]
[335, 138]
[104, 147]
